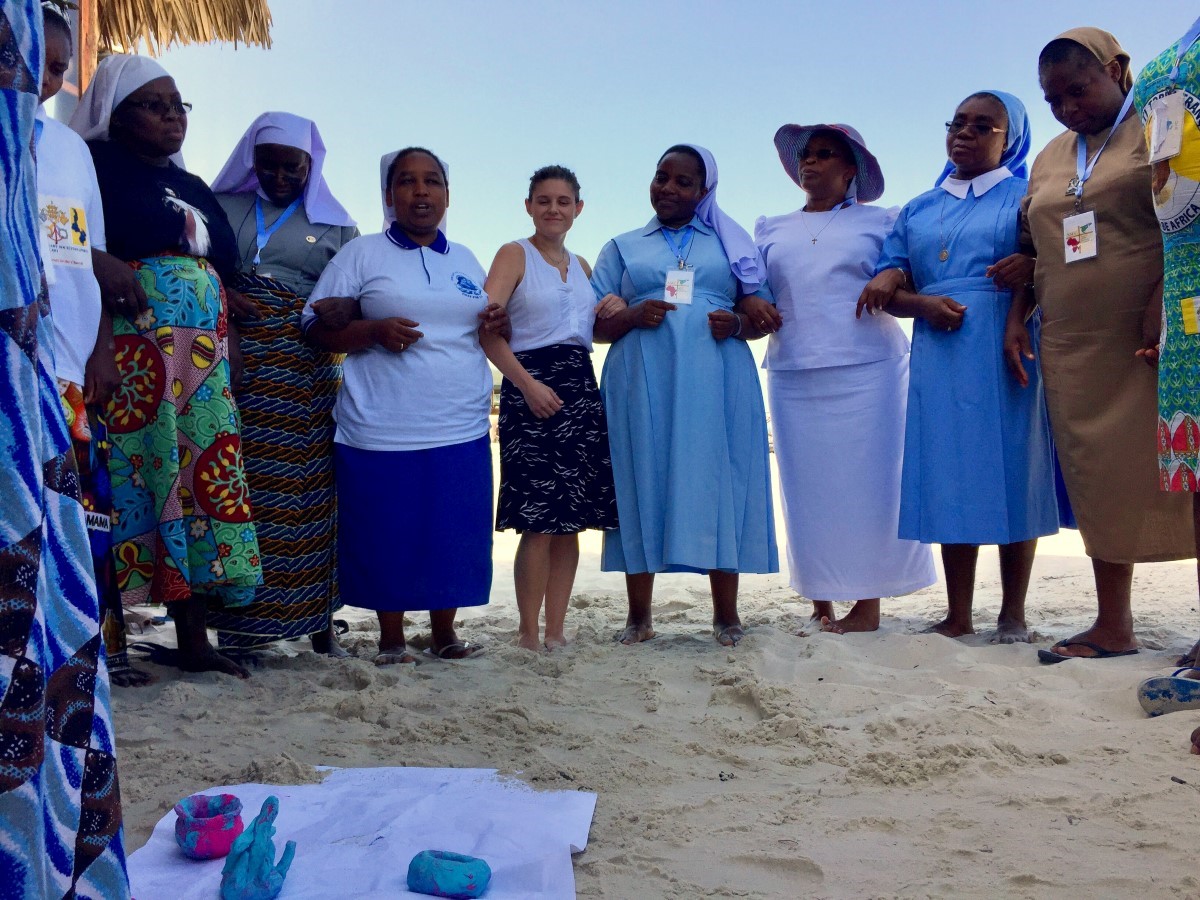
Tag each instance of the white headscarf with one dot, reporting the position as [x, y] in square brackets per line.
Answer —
[237, 176]
[116, 78]
[385, 163]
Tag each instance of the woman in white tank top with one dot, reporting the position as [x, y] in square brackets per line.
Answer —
[555, 473]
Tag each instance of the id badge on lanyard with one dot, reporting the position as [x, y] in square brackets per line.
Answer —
[1165, 127]
[1079, 227]
[680, 285]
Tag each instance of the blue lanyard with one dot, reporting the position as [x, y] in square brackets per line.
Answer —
[1185, 44]
[1084, 167]
[264, 233]
[682, 250]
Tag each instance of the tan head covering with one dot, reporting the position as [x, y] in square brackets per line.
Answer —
[1105, 48]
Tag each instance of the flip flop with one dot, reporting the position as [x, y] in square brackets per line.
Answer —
[400, 656]
[157, 653]
[731, 633]
[1169, 693]
[457, 650]
[1050, 658]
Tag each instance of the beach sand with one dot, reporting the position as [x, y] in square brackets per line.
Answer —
[893, 764]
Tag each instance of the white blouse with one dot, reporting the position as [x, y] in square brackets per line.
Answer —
[545, 310]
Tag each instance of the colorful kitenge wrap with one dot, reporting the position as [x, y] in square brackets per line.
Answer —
[60, 806]
[90, 446]
[286, 405]
[180, 500]
[1177, 205]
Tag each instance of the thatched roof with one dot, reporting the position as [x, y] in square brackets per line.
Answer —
[160, 23]
[108, 26]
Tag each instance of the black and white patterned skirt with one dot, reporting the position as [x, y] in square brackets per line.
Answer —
[555, 473]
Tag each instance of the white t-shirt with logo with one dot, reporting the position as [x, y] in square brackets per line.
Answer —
[436, 392]
[71, 220]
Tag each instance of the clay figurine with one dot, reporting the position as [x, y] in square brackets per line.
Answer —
[207, 826]
[445, 874]
[250, 872]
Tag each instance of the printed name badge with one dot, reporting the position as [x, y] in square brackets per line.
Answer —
[64, 230]
[1165, 126]
[680, 284]
[1190, 307]
[1079, 236]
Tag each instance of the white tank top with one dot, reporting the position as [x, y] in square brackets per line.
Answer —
[546, 310]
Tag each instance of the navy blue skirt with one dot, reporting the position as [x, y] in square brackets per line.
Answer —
[415, 526]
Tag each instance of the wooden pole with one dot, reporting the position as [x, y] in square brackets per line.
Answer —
[89, 42]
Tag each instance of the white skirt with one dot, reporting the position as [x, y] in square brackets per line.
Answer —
[839, 445]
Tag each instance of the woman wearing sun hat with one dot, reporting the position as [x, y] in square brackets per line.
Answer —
[837, 384]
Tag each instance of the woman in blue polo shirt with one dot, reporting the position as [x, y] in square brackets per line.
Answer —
[686, 422]
[412, 458]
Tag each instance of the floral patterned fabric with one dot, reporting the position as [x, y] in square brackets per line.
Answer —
[181, 505]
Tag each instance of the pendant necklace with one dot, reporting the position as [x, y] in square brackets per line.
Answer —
[943, 239]
[558, 264]
[804, 221]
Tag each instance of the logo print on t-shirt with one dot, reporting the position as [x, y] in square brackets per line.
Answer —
[466, 286]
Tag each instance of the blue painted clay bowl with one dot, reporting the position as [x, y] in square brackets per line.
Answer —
[441, 873]
[206, 826]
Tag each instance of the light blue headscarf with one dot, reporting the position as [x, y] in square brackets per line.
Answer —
[1017, 149]
[740, 249]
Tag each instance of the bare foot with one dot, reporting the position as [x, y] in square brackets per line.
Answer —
[950, 629]
[1196, 741]
[635, 633]
[1191, 657]
[557, 642]
[130, 677]
[395, 656]
[728, 635]
[1112, 643]
[1011, 631]
[822, 609]
[529, 642]
[209, 660]
[863, 616]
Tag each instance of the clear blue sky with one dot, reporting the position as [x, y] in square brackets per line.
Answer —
[499, 88]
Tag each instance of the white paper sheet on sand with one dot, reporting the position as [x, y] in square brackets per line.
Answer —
[357, 831]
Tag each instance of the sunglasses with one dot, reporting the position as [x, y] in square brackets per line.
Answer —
[980, 128]
[823, 154]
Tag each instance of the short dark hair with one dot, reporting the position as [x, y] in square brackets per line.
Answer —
[52, 18]
[409, 151]
[689, 151]
[548, 173]
[1065, 50]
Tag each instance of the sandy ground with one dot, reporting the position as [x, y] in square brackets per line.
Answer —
[887, 765]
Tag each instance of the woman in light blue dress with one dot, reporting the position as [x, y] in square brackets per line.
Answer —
[977, 454]
[687, 425]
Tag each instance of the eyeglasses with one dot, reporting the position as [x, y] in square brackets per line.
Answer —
[160, 108]
[980, 128]
[823, 154]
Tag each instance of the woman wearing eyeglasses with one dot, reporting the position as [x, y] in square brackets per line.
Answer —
[977, 456]
[837, 384]
[183, 533]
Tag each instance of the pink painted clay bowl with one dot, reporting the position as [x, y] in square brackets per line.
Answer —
[206, 826]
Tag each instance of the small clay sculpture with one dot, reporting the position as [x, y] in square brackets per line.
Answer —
[441, 873]
[250, 872]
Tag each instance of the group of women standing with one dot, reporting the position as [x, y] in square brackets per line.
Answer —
[363, 391]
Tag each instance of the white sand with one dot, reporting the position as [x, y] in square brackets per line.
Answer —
[891, 764]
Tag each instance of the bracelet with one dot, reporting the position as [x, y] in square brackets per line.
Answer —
[739, 325]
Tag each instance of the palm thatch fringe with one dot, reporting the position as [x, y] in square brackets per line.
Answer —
[123, 24]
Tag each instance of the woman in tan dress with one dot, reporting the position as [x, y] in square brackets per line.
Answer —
[1098, 311]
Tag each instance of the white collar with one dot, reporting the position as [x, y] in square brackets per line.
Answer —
[980, 184]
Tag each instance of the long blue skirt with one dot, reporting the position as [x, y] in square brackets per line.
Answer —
[415, 526]
[978, 465]
[688, 432]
